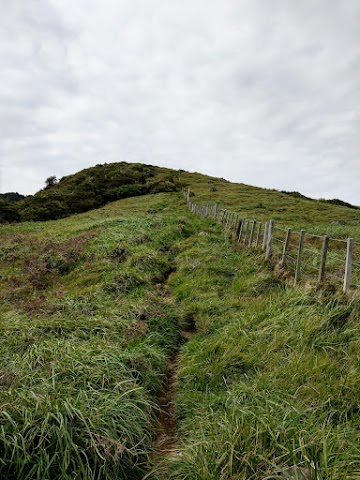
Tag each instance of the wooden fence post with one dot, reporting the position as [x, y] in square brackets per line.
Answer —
[323, 258]
[286, 247]
[241, 226]
[231, 222]
[258, 236]
[238, 229]
[188, 194]
[298, 260]
[228, 220]
[269, 239]
[246, 229]
[265, 236]
[348, 264]
[215, 211]
[252, 233]
[234, 228]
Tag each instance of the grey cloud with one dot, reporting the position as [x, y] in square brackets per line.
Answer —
[260, 92]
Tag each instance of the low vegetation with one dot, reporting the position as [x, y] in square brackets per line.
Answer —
[86, 333]
[86, 190]
[93, 306]
[269, 385]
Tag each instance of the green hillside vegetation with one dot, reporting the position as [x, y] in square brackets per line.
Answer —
[11, 197]
[89, 189]
[317, 216]
[93, 306]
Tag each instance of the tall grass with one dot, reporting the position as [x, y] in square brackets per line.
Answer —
[268, 388]
[85, 336]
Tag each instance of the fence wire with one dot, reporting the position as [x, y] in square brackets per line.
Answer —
[303, 255]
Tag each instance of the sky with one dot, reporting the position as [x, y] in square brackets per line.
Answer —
[262, 92]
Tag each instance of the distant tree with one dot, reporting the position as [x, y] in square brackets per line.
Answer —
[51, 181]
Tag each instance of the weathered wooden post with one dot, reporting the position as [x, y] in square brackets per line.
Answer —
[348, 264]
[246, 229]
[188, 194]
[230, 221]
[252, 233]
[258, 236]
[323, 258]
[299, 255]
[286, 246]
[235, 227]
[265, 236]
[270, 234]
[227, 220]
[215, 211]
[238, 229]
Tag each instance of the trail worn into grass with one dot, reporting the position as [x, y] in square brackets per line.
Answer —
[166, 434]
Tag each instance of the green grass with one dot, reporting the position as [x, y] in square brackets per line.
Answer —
[267, 388]
[86, 333]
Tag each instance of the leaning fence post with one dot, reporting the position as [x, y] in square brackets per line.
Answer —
[298, 260]
[286, 246]
[323, 258]
[348, 264]
[252, 233]
[265, 236]
[269, 239]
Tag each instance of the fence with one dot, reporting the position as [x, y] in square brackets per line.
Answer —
[299, 254]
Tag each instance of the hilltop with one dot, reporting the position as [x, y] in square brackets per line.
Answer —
[96, 186]
[11, 197]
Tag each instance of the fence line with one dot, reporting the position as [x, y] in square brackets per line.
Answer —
[300, 254]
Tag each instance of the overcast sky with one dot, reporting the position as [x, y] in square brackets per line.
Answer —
[264, 92]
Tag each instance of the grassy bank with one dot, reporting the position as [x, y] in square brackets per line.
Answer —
[86, 333]
[92, 309]
[269, 385]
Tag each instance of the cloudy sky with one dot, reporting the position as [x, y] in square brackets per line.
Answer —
[264, 92]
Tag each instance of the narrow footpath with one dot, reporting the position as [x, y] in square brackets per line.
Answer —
[166, 433]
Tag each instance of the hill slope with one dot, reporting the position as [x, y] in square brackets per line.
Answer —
[90, 188]
[96, 186]
[92, 311]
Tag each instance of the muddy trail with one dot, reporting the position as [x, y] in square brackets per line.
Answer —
[166, 431]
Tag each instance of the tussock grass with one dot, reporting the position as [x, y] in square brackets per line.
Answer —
[267, 387]
[85, 340]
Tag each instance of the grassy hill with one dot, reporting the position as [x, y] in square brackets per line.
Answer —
[88, 189]
[107, 312]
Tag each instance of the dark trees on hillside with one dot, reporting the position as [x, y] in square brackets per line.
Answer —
[51, 181]
[92, 188]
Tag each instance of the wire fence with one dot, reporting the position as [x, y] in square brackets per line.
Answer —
[299, 255]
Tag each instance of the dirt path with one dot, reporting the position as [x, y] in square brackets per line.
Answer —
[166, 433]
